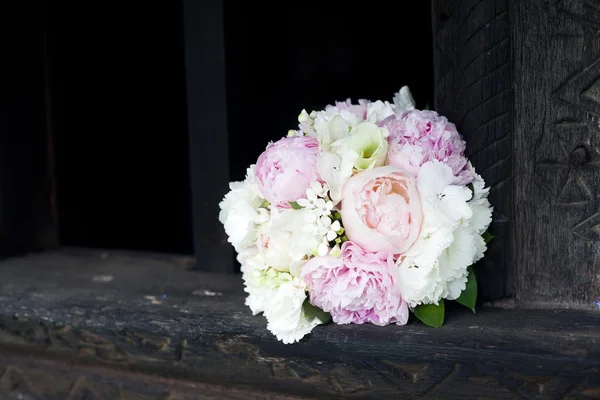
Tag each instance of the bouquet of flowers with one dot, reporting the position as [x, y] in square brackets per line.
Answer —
[363, 214]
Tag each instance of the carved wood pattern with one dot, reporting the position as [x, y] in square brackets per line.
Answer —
[345, 377]
[557, 115]
[473, 88]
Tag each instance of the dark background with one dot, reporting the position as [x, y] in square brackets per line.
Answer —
[117, 97]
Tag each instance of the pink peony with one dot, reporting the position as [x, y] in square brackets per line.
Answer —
[420, 136]
[381, 210]
[360, 109]
[357, 287]
[287, 168]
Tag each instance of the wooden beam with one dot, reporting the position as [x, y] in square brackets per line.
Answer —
[147, 324]
[208, 137]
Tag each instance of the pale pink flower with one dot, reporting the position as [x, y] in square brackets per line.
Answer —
[381, 210]
[357, 287]
[287, 168]
[419, 136]
[360, 109]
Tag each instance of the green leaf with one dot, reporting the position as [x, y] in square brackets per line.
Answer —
[295, 205]
[313, 311]
[430, 314]
[472, 189]
[468, 297]
[487, 236]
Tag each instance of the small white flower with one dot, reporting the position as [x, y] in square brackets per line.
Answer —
[323, 249]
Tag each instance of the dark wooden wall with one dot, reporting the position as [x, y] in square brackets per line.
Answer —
[557, 159]
[519, 77]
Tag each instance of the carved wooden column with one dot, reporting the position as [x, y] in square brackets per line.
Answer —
[473, 88]
[520, 79]
[557, 162]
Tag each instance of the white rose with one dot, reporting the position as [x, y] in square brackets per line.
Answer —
[241, 213]
[286, 318]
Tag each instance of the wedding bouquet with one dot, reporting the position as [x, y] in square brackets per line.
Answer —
[364, 213]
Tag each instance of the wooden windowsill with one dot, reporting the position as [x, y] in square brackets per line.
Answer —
[116, 323]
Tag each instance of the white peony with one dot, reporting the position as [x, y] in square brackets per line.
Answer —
[285, 315]
[241, 212]
[450, 239]
[284, 239]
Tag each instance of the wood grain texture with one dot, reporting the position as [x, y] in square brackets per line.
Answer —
[151, 326]
[473, 75]
[557, 151]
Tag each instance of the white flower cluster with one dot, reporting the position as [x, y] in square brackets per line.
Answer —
[455, 217]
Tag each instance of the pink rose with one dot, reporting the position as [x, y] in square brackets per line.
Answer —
[360, 109]
[357, 287]
[287, 168]
[420, 136]
[381, 210]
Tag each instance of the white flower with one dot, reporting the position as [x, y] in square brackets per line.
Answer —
[453, 263]
[284, 239]
[369, 141]
[335, 169]
[482, 214]
[319, 221]
[317, 199]
[436, 266]
[436, 188]
[379, 110]
[285, 315]
[241, 213]
[254, 272]
[403, 101]
[333, 124]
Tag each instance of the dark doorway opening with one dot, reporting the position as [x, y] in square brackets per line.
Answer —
[283, 57]
[119, 127]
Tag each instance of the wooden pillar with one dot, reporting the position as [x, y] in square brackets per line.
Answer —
[208, 139]
[521, 80]
[473, 88]
[557, 159]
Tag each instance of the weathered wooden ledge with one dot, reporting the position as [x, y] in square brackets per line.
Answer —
[102, 324]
